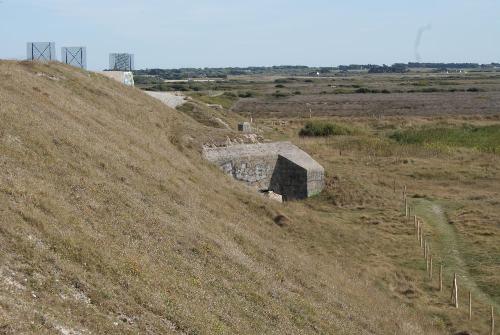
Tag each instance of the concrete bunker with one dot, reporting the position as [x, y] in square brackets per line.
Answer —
[280, 167]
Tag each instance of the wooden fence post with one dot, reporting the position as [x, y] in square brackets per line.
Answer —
[406, 207]
[425, 249]
[422, 237]
[418, 230]
[492, 321]
[454, 292]
[470, 305]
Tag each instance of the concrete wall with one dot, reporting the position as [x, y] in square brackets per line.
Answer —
[126, 78]
[289, 180]
[254, 168]
[280, 167]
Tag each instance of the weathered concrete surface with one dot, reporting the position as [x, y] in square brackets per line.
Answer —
[280, 167]
[245, 127]
[126, 78]
[172, 100]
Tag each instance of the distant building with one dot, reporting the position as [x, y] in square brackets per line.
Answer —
[41, 51]
[121, 62]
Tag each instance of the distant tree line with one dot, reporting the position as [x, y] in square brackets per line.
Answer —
[299, 70]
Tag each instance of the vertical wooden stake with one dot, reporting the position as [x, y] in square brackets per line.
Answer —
[425, 249]
[406, 207]
[470, 305]
[414, 220]
[422, 237]
[394, 185]
[492, 321]
[441, 277]
[418, 230]
[454, 292]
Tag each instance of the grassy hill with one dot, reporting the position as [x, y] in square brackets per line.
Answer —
[111, 223]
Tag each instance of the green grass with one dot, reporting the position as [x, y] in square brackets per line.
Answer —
[226, 100]
[320, 128]
[484, 139]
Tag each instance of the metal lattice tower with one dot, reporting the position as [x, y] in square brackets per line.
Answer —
[75, 56]
[41, 51]
[121, 62]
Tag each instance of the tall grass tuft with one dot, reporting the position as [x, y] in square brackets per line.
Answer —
[484, 139]
[321, 128]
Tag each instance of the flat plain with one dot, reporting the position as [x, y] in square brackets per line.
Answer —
[436, 134]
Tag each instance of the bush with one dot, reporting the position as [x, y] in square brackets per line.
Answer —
[282, 81]
[279, 94]
[430, 90]
[320, 128]
[280, 86]
[246, 94]
[363, 90]
[229, 94]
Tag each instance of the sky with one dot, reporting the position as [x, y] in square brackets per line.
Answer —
[222, 33]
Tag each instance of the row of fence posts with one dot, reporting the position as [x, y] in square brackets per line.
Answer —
[425, 245]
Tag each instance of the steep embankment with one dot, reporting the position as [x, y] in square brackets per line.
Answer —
[111, 223]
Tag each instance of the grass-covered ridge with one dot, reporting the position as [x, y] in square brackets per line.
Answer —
[111, 223]
[485, 139]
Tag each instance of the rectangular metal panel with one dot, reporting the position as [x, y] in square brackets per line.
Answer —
[41, 51]
[75, 56]
[121, 62]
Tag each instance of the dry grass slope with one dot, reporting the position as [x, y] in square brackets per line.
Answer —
[112, 224]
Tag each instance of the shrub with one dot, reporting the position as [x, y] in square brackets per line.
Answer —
[320, 128]
[246, 94]
[279, 94]
[280, 86]
[229, 94]
[363, 90]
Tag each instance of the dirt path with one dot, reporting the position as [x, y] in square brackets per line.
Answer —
[446, 245]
